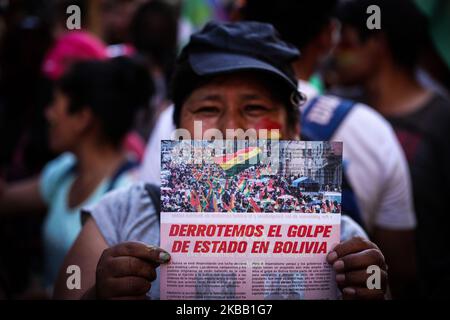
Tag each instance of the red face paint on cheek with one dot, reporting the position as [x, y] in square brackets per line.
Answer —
[269, 124]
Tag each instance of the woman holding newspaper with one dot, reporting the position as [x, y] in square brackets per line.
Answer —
[230, 76]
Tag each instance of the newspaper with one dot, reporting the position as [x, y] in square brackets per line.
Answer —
[249, 219]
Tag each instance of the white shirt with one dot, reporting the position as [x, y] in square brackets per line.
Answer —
[151, 164]
[375, 164]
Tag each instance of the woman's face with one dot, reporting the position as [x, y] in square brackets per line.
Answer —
[237, 101]
[65, 128]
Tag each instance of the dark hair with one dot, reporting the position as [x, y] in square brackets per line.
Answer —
[113, 89]
[297, 21]
[185, 81]
[403, 25]
[154, 31]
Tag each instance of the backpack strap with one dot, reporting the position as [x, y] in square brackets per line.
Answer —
[323, 116]
[349, 202]
[320, 120]
[127, 165]
[154, 193]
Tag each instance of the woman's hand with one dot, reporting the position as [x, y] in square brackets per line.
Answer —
[350, 260]
[127, 270]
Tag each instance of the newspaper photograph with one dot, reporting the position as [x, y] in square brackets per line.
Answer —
[249, 219]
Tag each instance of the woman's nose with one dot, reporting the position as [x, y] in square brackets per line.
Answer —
[231, 121]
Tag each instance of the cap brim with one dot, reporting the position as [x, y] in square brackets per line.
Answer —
[215, 63]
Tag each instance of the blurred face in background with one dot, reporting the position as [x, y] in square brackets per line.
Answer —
[66, 129]
[355, 60]
[236, 101]
[116, 16]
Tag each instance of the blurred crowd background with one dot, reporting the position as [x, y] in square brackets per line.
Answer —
[141, 39]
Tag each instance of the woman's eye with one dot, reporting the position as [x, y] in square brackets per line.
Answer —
[209, 110]
[256, 108]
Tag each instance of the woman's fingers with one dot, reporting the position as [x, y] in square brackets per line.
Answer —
[131, 266]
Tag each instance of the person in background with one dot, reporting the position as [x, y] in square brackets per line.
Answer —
[26, 37]
[74, 46]
[384, 62]
[435, 63]
[115, 17]
[376, 173]
[26, 33]
[92, 110]
[154, 36]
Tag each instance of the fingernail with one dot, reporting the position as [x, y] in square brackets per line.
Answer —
[338, 265]
[340, 277]
[332, 256]
[164, 257]
[349, 291]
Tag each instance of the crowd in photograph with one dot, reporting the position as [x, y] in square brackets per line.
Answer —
[208, 188]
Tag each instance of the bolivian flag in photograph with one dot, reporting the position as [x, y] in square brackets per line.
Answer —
[241, 159]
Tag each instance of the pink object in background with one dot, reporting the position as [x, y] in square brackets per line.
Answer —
[134, 145]
[69, 48]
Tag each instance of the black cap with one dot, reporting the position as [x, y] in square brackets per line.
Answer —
[221, 48]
